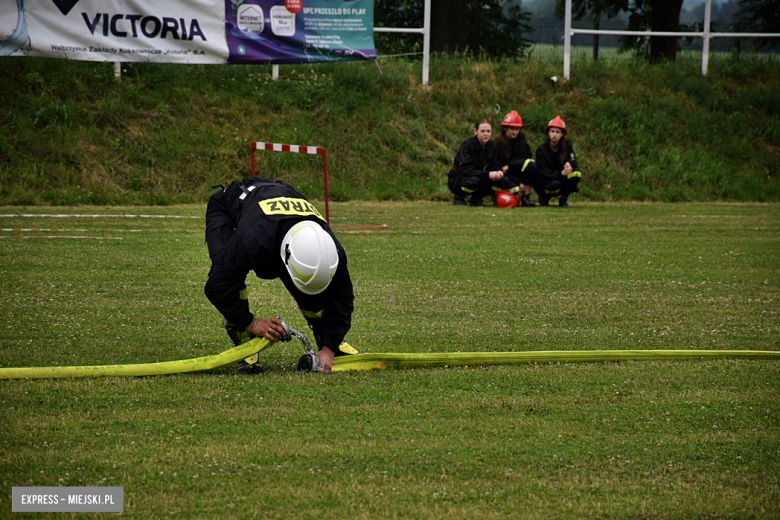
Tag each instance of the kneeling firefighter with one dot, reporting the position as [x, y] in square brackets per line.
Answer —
[266, 226]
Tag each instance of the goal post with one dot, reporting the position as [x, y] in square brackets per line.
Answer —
[294, 148]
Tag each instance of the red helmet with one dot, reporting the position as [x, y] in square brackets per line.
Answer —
[506, 200]
[557, 122]
[512, 119]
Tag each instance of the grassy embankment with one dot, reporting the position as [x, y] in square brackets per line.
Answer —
[688, 439]
[70, 133]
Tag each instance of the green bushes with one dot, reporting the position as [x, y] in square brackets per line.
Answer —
[72, 133]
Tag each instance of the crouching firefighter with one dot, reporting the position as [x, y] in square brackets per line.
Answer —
[476, 171]
[516, 156]
[558, 172]
[267, 227]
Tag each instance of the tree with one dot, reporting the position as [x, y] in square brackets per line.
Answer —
[759, 16]
[493, 26]
[448, 25]
[655, 15]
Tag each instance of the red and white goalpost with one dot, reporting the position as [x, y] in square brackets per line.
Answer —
[294, 148]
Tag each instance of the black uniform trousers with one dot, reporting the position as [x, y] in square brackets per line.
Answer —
[526, 175]
[477, 187]
[557, 187]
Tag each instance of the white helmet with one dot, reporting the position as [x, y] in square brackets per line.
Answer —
[310, 256]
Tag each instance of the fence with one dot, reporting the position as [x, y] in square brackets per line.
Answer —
[547, 42]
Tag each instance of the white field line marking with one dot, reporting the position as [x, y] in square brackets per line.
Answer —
[96, 216]
[85, 238]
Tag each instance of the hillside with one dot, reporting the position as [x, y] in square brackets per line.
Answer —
[71, 133]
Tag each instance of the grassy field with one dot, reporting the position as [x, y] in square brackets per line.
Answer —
[686, 439]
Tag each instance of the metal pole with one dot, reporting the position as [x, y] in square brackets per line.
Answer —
[596, 43]
[325, 181]
[275, 73]
[426, 41]
[705, 44]
[567, 43]
[117, 69]
[674, 34]
[254, 145]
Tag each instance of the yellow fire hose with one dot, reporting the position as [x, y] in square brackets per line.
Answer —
[370, 361]
[234, 355]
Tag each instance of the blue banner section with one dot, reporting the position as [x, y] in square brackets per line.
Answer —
[299, 31]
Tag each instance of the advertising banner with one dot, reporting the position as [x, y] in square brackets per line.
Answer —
[97, 30]
[189, 31]
[299, 31]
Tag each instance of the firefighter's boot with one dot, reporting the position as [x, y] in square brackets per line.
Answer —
[238, 336]
[526, 201]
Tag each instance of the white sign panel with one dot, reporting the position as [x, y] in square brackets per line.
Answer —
[172, 31]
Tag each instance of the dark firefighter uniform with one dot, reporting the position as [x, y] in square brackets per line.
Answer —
[470, 171]
[550, 181]
[522, 168]
[245, 225]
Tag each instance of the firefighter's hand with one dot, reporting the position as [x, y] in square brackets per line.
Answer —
[325, 356]
[504, 169]
[269, 328]
[496, 175]
[567, 169]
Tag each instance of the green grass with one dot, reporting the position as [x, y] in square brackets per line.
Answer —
[71, 134]
[687, 439]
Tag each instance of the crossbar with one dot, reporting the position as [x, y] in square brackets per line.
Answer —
[294, 148]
